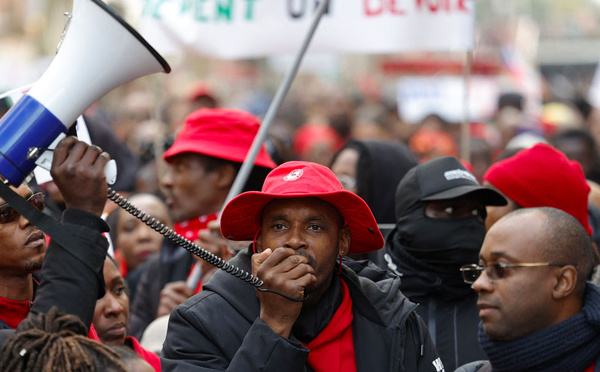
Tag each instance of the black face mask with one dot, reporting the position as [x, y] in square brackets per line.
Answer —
[446, 243]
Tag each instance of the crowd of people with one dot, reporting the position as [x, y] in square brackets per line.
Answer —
[375, 246]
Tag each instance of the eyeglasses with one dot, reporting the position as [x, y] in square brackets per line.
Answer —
[9, 214]
[497, 270]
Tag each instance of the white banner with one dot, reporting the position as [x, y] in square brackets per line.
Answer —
[419, 96]
[257, 28]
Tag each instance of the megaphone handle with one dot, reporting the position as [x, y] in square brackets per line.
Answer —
[110, 169]
[44, 160]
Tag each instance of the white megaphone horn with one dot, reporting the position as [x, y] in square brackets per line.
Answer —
[99, 51]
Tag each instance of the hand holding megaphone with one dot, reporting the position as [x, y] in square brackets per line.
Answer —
[99, 52]
[44, 159]
[78, 172]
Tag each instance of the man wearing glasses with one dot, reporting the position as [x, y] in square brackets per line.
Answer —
[537, 312]
[22, 253]
[23, 246]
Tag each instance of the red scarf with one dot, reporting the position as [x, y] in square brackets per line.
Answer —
[13, 312]
[333, 348]
[148, 356]
[189, 229]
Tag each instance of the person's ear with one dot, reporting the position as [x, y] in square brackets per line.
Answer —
[225, 176]
[566, 281]
[257, 244]
[344, 241]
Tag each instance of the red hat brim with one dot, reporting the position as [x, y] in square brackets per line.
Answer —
[241, 218]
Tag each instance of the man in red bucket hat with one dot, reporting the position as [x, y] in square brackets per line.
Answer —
[312, 312]
[203, 163]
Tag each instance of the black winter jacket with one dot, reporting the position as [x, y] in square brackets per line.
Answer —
[219, 329]
[447, 305]
[172, 264]
[72, 277]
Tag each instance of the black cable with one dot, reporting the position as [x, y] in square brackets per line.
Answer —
[190, 246]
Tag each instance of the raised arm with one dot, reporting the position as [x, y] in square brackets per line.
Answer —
[72, 276]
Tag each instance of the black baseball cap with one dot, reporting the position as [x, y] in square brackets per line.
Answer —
[441, 179]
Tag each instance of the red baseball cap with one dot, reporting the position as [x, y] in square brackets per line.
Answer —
[220, 133]
[241, 218]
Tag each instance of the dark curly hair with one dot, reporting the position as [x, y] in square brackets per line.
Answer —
[55, 341]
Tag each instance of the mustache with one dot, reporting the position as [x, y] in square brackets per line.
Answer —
[311, 260]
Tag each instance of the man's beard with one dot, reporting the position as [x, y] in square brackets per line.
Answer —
[34, 265]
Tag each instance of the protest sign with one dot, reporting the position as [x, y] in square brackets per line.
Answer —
[257, 28]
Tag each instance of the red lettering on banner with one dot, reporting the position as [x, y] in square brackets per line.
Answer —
[434, 5]
[374, 8]
[394, 9]
[378, 7]
[442, 5]
[373, 12]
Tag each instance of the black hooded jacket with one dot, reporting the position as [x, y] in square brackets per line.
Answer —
[381, 165]
[428, 253]
[219, 329]
[447, 305]
[171, 264]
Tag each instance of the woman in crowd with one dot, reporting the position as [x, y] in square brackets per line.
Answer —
[111, 316]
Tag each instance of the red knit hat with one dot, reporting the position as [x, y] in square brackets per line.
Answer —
[543, 177]
[241, 218]
[220, 133]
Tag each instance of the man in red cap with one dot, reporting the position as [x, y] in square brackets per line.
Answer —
[203, 163]
[311, 312]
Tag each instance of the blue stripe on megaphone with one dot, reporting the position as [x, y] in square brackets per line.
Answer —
[27, 124]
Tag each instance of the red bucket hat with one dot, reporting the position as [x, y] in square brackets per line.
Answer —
[220, 133]
[241, 218]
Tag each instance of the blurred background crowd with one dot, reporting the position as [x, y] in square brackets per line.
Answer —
[531, 71]
[530, 77]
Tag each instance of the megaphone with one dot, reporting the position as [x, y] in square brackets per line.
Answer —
[98, 52]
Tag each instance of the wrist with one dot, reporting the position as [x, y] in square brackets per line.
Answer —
[279, 326]
[84, 218]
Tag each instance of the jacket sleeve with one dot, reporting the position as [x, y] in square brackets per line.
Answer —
[72, 277]
[197, 340]
[421, 355]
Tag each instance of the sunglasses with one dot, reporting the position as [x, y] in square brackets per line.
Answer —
[8, 214]
[497, 270]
